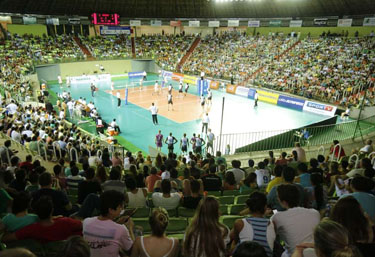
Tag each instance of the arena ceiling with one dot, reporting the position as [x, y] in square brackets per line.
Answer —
[193, 8]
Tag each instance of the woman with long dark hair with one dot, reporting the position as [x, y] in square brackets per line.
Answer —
[206, 236]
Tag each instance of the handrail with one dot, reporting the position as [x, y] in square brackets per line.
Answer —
[73, 149]
[356, 160]
[56, 146]
[320, 148]
[338, 154]
[99, 154]
[39, 150]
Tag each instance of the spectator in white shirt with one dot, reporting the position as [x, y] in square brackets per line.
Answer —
[237, 172]
[367, 148]
[263, 175]
[205, 122]
[12, 108]
[115, 126]
[166, 199]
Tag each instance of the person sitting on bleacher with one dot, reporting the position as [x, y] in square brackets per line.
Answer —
[136, 197]
[157, 244]
[192, 201]
[48, 229]
[257, 228]
[74, 179]
[237, 172]
[88, 186]
[114, 182]
[61, 204]
[166, 199]
[211, 181]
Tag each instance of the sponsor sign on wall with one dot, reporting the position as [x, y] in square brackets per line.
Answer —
[321, 22]
[369, 21]
[251, 93]
[167, 74]
[74, 21]
[231, 89]
[29, 20]
[319, 108]
[156, 23]
[194, 23]
[291, 102]
[275, 23]
[52, 21]
[214, 24]
[242, 91]
[177, 76]
[267, 97]
[114, 30]
[233, 23]
[214, 84]
[135, 23]
[253, 24]
[190, 79]
[175, 23]
[136, 74]
[295, 23]
[344, 22]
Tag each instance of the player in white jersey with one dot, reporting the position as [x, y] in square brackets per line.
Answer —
[210, 141]
[184, 144]
[156, 88]
[141, 84]
[170, 100]
[203, 101]
[180, 89]
[186, 88]
[112, 86]
[209, 97]
[170, 89]
[59, 79]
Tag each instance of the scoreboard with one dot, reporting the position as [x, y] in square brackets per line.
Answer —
[105, 19]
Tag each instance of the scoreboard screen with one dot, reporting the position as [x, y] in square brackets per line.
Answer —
[105, 19]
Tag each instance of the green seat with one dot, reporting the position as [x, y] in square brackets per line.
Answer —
[229, 220]
[143, 222]
[236, 209]
[141, 213]
[247, 192]
[54, 248]
[176, 225]
[185, 212]
[226, 199]
[223, 209]
[231, 192]
[241, 199]
[214, 193]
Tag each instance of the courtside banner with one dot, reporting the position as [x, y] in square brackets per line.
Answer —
[214, 85]
[135, 75]
[295, 23]
[194, 23]
[251, 93]
[268, 97]
[253, 24]
[291, 102]
[369, 21]
[242, 91]
[190, 79]
[213, 24]
[114, 30]
[319, 108]
[177, 76]
[135, 23]
[167, 74]
[231, 89]
[233, 23]
[344, 22]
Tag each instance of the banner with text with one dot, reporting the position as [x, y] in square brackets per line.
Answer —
[175, 23]
[214, 84]
[295, 23]
[253, 24]
[319, 108]
[267, 97]
[74, 21]
[369, 21]
[190, 79]
[194, 23]
[275, 23]
[213, 24]
[291, 102]
[233, 23]
[29, 20]
[177, 76]
[242, 91]
[321, 22]
[231, 89]
[114, 30]
[344, 22]
[135, 23]
[136, 74]
[251, 93]
[167, 74]
[156, 23]
[52, 21]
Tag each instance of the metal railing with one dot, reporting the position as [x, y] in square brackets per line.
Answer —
[281, 139]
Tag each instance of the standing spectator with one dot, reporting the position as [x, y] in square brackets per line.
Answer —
[204, 225]
[301, 155]
[105, 236]
[296, 224]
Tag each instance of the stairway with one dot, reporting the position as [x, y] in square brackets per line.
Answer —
[253, 75]
[188, 53]
[84, 49]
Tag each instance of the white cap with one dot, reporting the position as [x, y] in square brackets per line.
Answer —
[166, 175]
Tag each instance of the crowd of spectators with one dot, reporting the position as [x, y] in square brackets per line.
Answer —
[108, 47]
[166, 50]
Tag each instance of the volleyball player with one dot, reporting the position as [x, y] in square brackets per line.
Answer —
[256, 96]
[203, 101]
[199, 143]
[180, 89]
[112, 86]
[170, 89]
[118, 99]
[184, 144]
[93, 88]
[209, 97]
[156, 88]
[170, 100]
[186, 88]
[141, 84]
[159, 141]
[170, 141]
[59, 79]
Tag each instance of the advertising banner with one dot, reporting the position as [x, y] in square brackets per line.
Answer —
[175, 23]
[194, 23]
[321, 22]
[231, 89]
[5, 19]
[233, 23]
[135, 23]
[275, 23]
[253, 24]
[177, 76]
[114, 30]
[214, 24]
[291, 102]
[214, 85]
[190, 79]
[268, 97]
[29, 20]
[319, 108]
[166, 74]
[295, 23]
[74, 21]
[242, 91]
[251, 93]
[369, 21]
[344, 23]
[136, 74]
[52, 21]
[156, 23]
